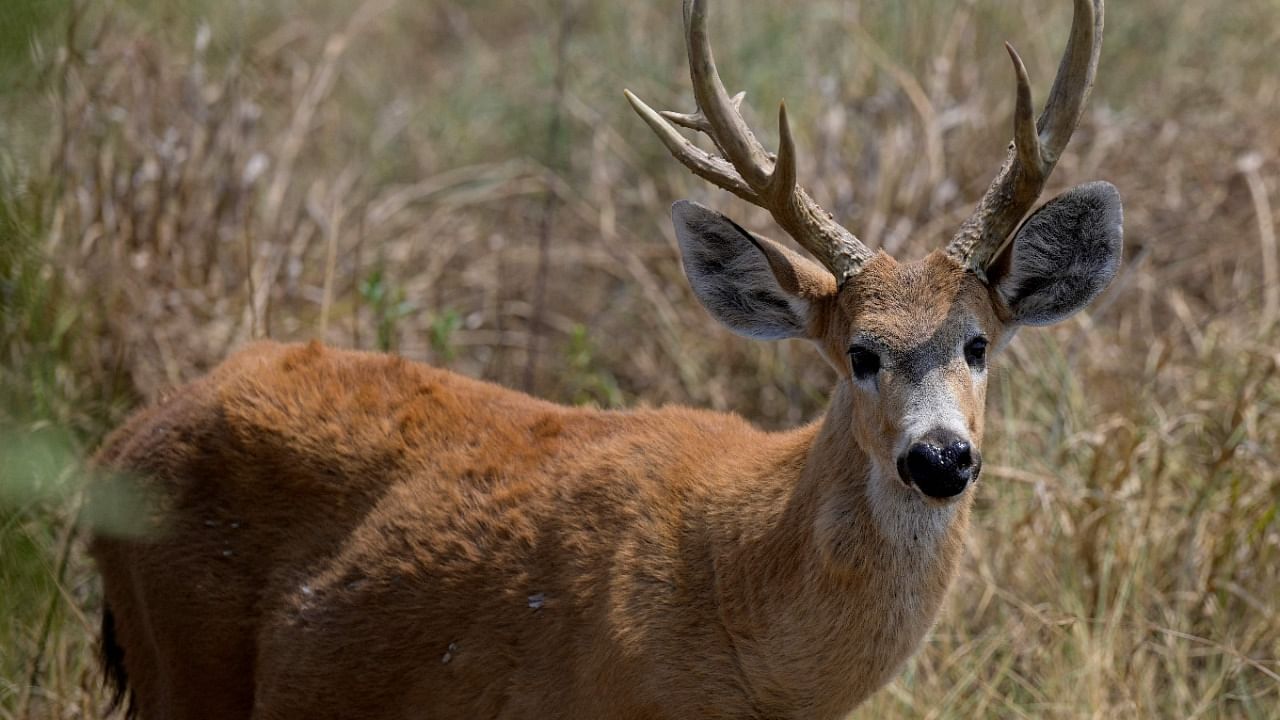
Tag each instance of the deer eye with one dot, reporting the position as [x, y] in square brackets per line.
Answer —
[975, 353]
[866, 362]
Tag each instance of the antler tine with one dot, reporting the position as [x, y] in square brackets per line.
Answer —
[1074, 81]
[714, 170]
[1026, 139]
[698, 121]
[728, 129]
[746, 169]
[782, 181]
[1036, 147]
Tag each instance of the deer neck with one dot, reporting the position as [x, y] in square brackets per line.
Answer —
[832, 580]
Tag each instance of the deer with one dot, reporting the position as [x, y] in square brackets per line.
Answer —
[330, 533]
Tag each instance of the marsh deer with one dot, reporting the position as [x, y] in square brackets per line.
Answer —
[338, 534]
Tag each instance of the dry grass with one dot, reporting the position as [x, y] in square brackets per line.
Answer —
[176, 181]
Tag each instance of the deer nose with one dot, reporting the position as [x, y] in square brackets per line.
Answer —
[941, 464]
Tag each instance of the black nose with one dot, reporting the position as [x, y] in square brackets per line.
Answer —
[941, 464]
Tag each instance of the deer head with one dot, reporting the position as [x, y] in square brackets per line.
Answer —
[911, 339]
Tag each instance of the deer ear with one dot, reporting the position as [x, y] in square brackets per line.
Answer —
[752, 285]
[1066, 253]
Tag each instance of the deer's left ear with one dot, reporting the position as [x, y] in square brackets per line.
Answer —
[1066, 253]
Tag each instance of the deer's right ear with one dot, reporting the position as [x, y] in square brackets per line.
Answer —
[752, 285]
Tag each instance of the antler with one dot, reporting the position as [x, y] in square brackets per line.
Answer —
[1036, 147]
[744, 168]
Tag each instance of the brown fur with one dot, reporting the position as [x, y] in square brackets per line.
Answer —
[915, 309]
[337, 534]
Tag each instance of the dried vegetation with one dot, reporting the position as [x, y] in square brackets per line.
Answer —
[463, 183]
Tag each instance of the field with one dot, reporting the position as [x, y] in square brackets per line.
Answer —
[461, 181]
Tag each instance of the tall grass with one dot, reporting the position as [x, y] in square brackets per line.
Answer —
[177, 179]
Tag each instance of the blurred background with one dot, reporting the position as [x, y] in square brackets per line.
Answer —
[462, 182]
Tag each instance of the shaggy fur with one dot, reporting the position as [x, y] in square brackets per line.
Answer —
[335, 534]
[339, 534]
[1066, 253]
[114, 676]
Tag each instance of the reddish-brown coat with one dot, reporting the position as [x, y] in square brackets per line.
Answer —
[343, 534]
